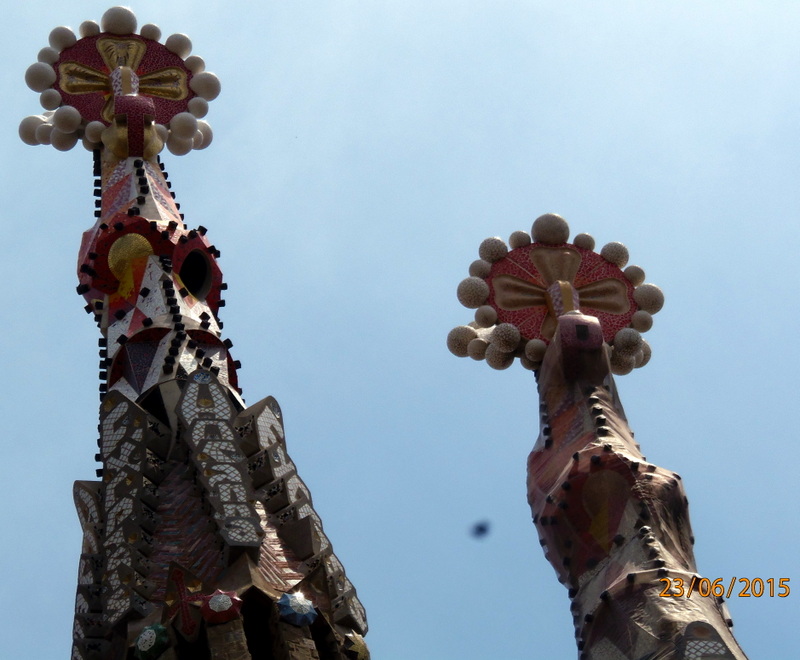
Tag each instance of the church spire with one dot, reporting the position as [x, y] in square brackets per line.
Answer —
[614, 526]
[200, 538]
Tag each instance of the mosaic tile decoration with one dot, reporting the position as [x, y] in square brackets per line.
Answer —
[611, 524]
[520, 289]
[84, 76]
[199, 524]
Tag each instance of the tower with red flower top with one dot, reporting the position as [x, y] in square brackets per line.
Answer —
[199, 530]
[614, 526]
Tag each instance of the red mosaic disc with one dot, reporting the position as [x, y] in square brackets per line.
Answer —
[518, 283]
[83, 75]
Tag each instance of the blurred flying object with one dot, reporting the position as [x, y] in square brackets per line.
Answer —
[480, 529]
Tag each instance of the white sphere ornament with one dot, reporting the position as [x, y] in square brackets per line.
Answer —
[472, 292]
[89, 29]
[635, 275]
[519, 239]
[535, 350]
[195, 64]
[197, 139]
[63, 141]
[493, 249]
[476, 348]
[208, 134]
[485, 316]
[458, 340]
[505, 337]
[50, 99]
[146, 640]
[550, 229]
[89, 145]
[162, 132]
[627, 342]
[621, 364]
[27, 129]
[647, 353]
[641, 320]
[498, 359]
[48, 55]
[615, 253]
[67, 119]
[183, 125]
[62, 37]
[179, 44]
[179, 146]
[480, 268]
[585, 241]
[206, 84]
[151, 31]
[649, 298]
[527, 364]
[94, 130]
[198, 107]
[118, 20]
[40, 76]
[43, 132]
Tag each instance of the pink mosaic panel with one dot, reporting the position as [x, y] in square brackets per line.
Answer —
[592, 269]
[155, 58]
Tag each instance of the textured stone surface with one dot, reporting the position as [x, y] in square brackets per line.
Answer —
[612, 524]
[227, 641]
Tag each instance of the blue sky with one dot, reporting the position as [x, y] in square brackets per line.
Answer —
[362, 151]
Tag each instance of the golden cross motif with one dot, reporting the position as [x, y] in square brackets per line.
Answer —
[561, 264]
[168, 83]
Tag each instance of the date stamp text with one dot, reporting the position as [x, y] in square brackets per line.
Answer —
[676, 587]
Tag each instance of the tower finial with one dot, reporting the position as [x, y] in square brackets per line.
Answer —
[115, 88]
[200, 523]
[519, 294]
[614, 527]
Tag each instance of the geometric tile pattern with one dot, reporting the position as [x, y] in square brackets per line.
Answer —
[183, 536]
[611, 523]
[702, 642]
[197, 495]
[288, 511]
[207, 414]
[191, 480]
[129, 521]
[703, 650]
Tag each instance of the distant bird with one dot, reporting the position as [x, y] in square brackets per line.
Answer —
[480, 529]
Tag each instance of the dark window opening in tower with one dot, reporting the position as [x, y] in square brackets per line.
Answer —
[195, 273]
[196, 649]
[153, 403]
[260, 619]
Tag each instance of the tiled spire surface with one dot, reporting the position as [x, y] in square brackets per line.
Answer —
[615, 527]
[200, 538]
